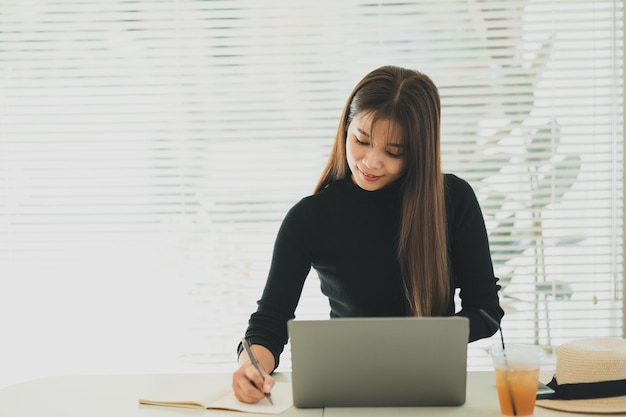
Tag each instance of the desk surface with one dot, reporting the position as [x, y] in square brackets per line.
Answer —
[117, 395]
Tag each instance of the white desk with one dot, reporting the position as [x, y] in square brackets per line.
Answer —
[114, 396]
[117, 395]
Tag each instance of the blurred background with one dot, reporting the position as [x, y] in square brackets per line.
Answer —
[149, 150]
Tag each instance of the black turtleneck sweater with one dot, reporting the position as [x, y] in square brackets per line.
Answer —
[349, 236]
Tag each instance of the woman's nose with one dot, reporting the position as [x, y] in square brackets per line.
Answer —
[372, 159]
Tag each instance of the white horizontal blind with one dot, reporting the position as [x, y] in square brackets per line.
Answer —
[149, 150]
[535, 124]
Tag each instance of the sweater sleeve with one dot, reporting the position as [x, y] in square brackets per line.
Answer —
[470, 259]
[290, 265]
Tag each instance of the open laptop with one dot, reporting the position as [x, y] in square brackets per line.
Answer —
[386, 362]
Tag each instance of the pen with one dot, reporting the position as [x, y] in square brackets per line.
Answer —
[246, 346]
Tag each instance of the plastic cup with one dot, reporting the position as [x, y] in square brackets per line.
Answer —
[517, 374]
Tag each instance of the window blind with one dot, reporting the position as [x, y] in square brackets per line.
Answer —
[149, 150]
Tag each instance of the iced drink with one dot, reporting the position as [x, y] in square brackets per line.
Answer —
[517, 373]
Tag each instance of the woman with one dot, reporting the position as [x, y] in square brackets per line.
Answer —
[388, 233]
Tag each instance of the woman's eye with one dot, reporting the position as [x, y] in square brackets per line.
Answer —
[360, 142]
[395, 153]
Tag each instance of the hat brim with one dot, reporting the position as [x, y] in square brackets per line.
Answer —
[610, 405]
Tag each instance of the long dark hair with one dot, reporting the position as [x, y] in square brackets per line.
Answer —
[410, 100]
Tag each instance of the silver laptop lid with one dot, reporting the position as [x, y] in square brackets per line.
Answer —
[369, 362]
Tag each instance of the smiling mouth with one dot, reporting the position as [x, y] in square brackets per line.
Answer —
[368, 177]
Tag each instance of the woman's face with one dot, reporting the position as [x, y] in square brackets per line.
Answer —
[375, 159]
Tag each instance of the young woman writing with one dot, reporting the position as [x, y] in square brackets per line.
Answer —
[388, 232]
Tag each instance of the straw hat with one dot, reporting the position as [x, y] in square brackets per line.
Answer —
[590, 377]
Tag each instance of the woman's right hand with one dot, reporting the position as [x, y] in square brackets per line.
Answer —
[248, 386]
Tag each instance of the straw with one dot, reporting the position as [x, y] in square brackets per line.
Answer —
[506, 363]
